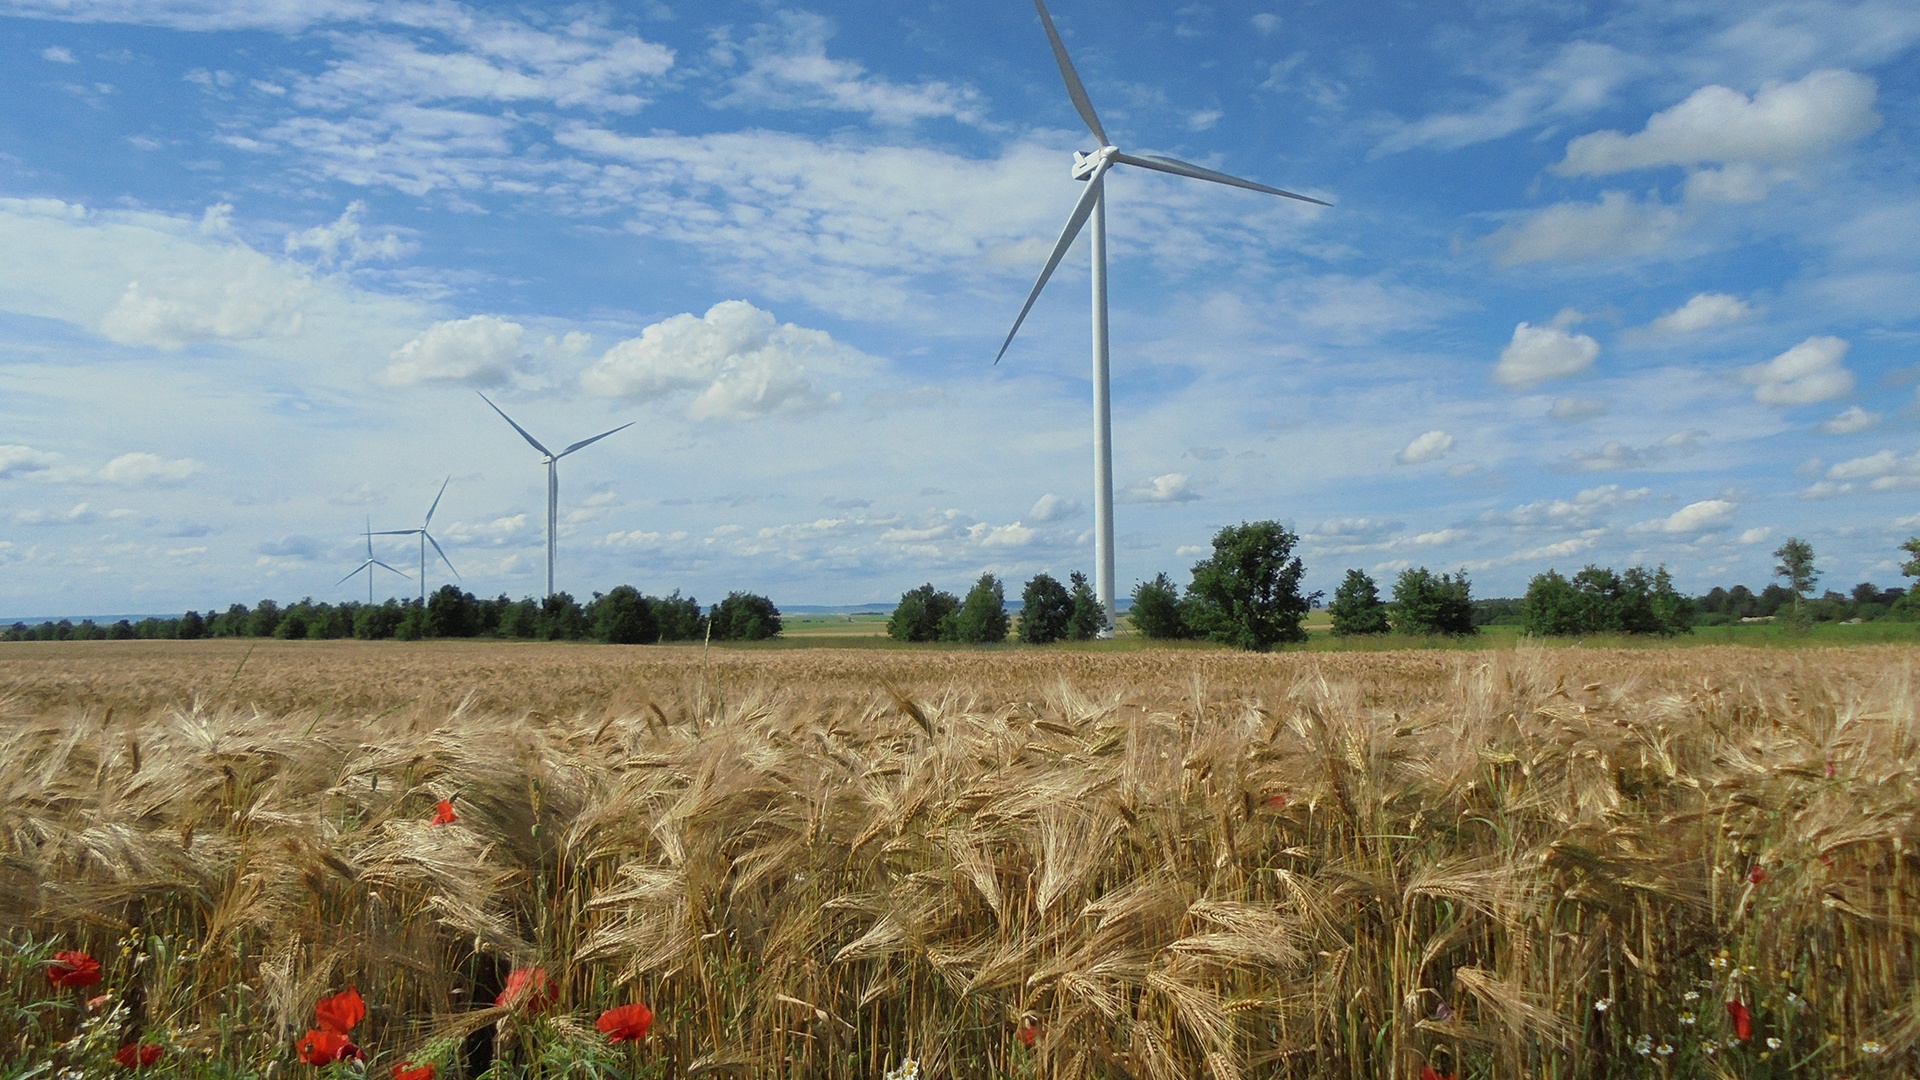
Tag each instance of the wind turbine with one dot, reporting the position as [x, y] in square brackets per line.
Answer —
[1092, 169]
[425, 539]
[369, 565]
[552, 461]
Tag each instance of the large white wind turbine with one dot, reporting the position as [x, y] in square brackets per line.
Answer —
[1092, 168]
[369, 565]
[551, 460]
[425, 539]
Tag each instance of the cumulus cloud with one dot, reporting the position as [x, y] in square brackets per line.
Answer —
[1757, 535]
[1617, 226]
[1431, 446]
[1783, 124]
[239, 296]
[1576, 408]
[482, 350]
[1704, 312]
[1852, 421]
[345, 241]
[1014, 535]
[1884, 471]
[1586, 509]
[1051, 507]
[1618, 455]
[1708, 515]
[17, 461]
[1540, 353]
[1165, 488]
[737, 361]
[1809, 372]
[141, 469]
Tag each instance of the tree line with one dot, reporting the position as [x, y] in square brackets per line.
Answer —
[622, 616]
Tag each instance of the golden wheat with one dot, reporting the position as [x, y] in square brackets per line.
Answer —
[1160, 864]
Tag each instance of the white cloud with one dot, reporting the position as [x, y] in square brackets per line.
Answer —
[1431, 446]
[282, 15]
[1576, 408]
[237, 294]
[738, 361]
[788, 68]
[344, 241]
[1781, 125]
[481, 350]
[58, 54]
[1165, 488]
[1578, 80]
[1707, 515]
[1618, 455]
[1204, 119]
[1051, 507]
[1586, 509]
[1265, 22]
[81, 514]
[501, 530]
[1759, 535]
[1809, 372]
[141, 469]
[1852, 421]
[1704, 312]
[1014, 535]
[17, 460]
[1886, 471]
[1539, 353]
[1617, 226]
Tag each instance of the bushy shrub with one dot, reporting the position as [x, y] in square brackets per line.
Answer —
[1429, 603]
[923, 614]
[1156, 611]
[744, 616]
[1356, 607]
[1046, 609]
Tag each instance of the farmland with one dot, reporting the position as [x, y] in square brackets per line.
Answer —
[1095, 862]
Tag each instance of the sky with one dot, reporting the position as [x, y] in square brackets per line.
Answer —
[1609, 283]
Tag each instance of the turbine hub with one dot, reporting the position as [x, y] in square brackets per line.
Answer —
[1084, 163]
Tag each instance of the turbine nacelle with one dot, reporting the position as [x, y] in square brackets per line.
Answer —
[1085, 164]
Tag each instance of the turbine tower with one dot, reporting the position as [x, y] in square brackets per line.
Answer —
[425, 539]
[1092, 169]
[552, 461]
[369, 565]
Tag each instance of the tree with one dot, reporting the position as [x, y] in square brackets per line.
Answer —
[1356, 607]
[1156, 610]
[1552, 607]
[518, 618]
[264, 620]
[1089, 614]
[191, 626]
[982, 618]
[559, 619]
[745, 616]
[623, 617]
[1046, 609]
[1248, 592]
[680, 618]
[1429, 603]
[1797, 569]
[450, 613]
[923, 614]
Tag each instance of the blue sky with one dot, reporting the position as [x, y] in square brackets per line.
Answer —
[1612, 283]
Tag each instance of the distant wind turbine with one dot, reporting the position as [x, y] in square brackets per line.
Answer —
[552, 461]
[425, 539]
[1092, 168]
[369, 565]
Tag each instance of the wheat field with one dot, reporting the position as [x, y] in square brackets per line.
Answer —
[1012, 863]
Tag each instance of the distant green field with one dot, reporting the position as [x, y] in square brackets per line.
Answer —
[870, 630]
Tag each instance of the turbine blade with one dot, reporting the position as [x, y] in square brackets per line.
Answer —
[436, 502]
[595, 439]
[516, 427]
[394, 532]
[356, 570]
[1182, 168]
[1081, 211]
[436, 547]
[384, 566]
[1075, 90]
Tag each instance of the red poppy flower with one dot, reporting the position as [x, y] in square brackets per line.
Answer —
[71, 969]
[443, 813]
[529, 989]
[1757, 875]
[410, 1071]
[1028, 1033]
[1428, 1072]
[340, 1012]
[1278, 801]
[1742, 1021]
[326, 1047]
[136, 1055]
[624, 1022]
